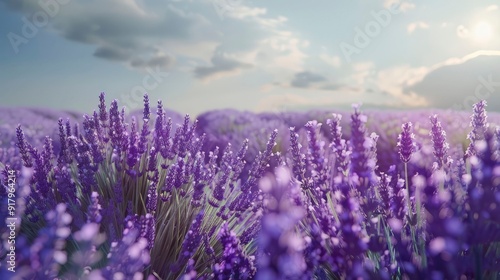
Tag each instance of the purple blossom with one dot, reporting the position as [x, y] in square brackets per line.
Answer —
[63, 152]
[146, 110]
[361, 161]
[299, 165]
[128, 257]
[234, 263]
[103, 114]
[338, 145]
[116, 131]
[479, 124]
[65, 184]
[406, 142]
[316, 157]
[441, 147]
[280, 249]
[24, 147]
[191, 242]
[133, 149]
[94, 211]
[152, 199]
[47, 253]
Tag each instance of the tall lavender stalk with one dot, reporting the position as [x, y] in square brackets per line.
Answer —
[440, 145]
[479, 124]
[406, 145]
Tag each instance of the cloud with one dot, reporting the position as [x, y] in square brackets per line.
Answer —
[116, 54]
[334, 61]
[305, 79]
[417, 25]
[161, 61]
[221, 65]
[135, 33]
[459, 82]
[311, 81]
[492, 8]
[187, 35]
[462, 31]
[402, 5]
[392, 82]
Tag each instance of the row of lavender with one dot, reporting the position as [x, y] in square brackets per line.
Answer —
[143, 199]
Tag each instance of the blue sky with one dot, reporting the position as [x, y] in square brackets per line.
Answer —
[253, 55]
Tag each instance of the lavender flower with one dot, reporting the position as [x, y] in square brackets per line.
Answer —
[406, 142]
[361, 161]
[191, 242]
[234, 263]
[103, 114]
[128, 257]
[94, 211]
[146, 111]
[133, 149]
[63, 152]
[24, 148]
[439, 141]
[479, 125]
[316, 158]
[280, 249]
[299, 168]
[338, 145]
[117, 128]
[47, 253]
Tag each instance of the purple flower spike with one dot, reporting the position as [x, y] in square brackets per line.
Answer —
[280, 248]
[63, 152]
[190, 271]
[117, 129]
[479, 125]
[143, 138]
[133, 153]
[48, 154]
[191, 242]
[67, 126]
[299, 165]
[338, 145]
[361, 162]
[47, 253]
[316, 156]
[235, 264]
[24, 148]
[439, 142]
[336, 130]
[103, 114]
[94, 211]
[406, 142]
[152, 198]
[146, 111]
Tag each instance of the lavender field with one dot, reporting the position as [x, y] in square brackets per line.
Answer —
[239, 195]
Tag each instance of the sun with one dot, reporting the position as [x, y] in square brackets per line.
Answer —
[483, 32]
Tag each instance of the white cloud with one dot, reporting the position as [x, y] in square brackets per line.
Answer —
[188, 33]
[417, 25]
[392, 82]
[462, 31]
[221, 65]
[492, 8]
[334, 61]
[401, 5]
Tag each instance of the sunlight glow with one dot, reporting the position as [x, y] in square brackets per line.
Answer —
[483, 32]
